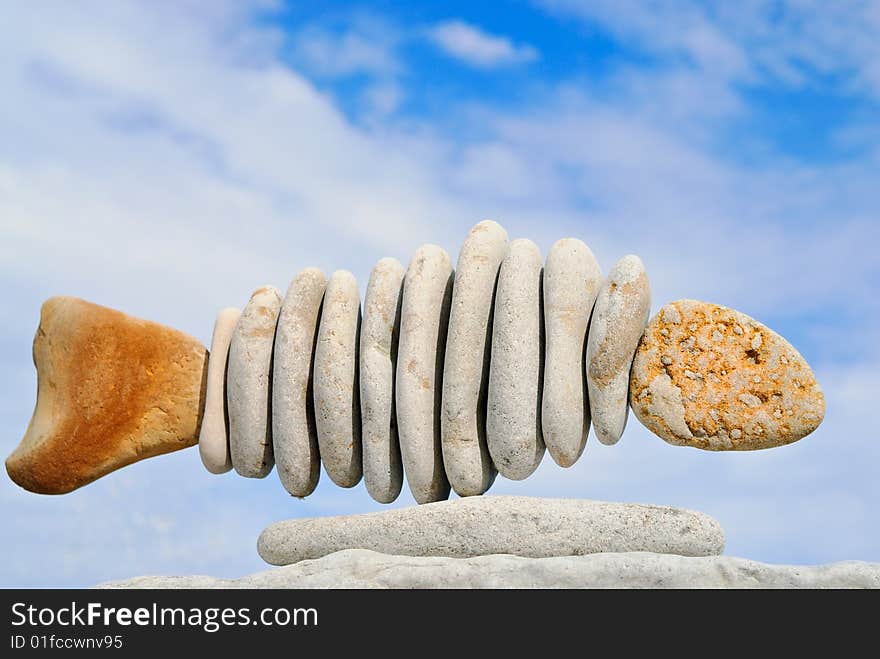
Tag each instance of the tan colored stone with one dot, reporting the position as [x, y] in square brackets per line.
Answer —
[111, 390]
[711, 377]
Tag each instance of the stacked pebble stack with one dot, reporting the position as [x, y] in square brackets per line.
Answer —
[454, 375]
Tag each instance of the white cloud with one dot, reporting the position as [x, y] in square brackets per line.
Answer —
[362, 46]
[475, 47]
[787, 42]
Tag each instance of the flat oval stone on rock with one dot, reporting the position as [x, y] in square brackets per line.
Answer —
[427, 293]
[335, 386]
[383, 470]
[513, 416]
[711, 377]
[294, 435]
[571, 282]
[466, 370]
[619, 317]
[247, 384]
[479, 526]
[213, 436]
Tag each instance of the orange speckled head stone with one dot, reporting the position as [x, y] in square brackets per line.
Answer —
[711, 377]
[111, 390]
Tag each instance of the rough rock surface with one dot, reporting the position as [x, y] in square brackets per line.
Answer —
[335, 381]
[466, 370]
[111, 390]
[214, 437]
[361, 568]
[294, 434]
[711, 377]
[383, 469]
[477, 526]
[571, 282]
[424, 317]
[516, 372]
[248, 379]
[619, 317]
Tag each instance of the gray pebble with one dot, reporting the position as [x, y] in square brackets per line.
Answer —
[481, 526]
[466, 370]
[619, 318]
[427, 293]
[513, 418]
[335, 387]
[571, 281]
[383, 471]
[294, 437]
[213, 435]
[248, 382]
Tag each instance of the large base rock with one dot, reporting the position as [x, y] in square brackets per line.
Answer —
[360, 568]
[480, 526]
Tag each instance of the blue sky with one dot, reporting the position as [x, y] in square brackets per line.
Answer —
[169, 158]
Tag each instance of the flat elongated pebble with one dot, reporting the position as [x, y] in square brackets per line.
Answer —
[383, 470]
[571, 281]
[427, 292]
[712, 377]
[247, 384]
[513, 416]
[213, 436]
[294, 436]
[336, 391]
[619, 317]
[466, 369]
[490, 525]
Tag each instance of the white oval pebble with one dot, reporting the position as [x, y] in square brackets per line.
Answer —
[294, 437]
[427, 293]
[513, 419]
[337, 399]
[213, 436]
[383, 471]
[247, 384]
[466, 368]
[619, 318]
[571, 281]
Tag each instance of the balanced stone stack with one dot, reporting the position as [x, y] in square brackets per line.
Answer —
[454, 375]
[449, 376]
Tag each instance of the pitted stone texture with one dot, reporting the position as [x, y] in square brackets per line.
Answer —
[424, 317]
[361, 568]
[335, 387]
[711, 377]
[477, 526]
[383, 470]
[247, 385]
[294, 436]
[513, 417]
[214, 436]
[619, 317]
[466, 371]
[112, 389]
[571, 282]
